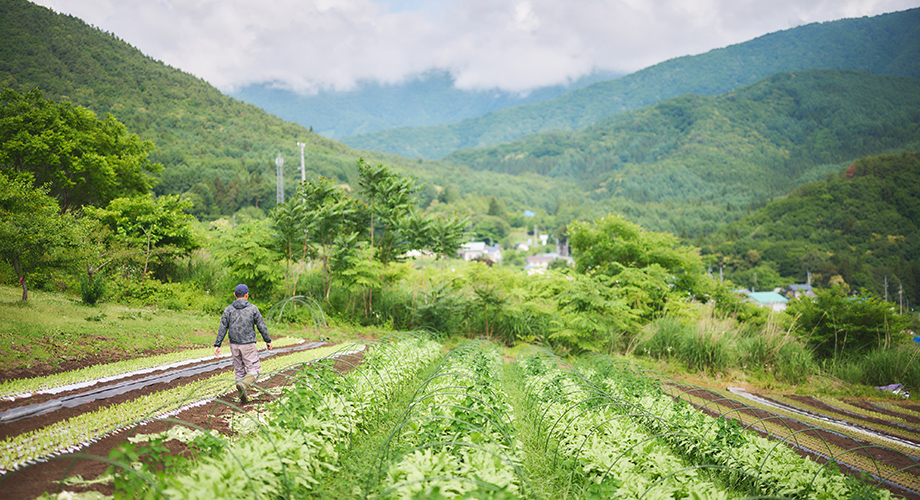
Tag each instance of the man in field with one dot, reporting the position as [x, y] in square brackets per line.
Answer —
[240, 319]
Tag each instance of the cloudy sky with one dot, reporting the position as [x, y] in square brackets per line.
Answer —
[515, 45]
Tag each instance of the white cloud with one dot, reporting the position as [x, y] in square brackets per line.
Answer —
[512, 44]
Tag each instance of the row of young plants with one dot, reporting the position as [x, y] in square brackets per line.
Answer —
[858, 449]
[889, 422]
[70, 435]
[286, 450]
[456, 438]
[595, 437]
[96, 374]
[741, 458]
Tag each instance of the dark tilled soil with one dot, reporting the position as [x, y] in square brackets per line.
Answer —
[31, 481]
[885, 456]
[909, 432]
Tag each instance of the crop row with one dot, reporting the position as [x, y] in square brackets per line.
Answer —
[296, 441]
[597, 438]
[858, 455]
[887, 424]
[76, 432]
[96, 374]
[744, 458]
[456, 437]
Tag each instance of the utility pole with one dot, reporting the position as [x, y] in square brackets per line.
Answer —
[303, 168]
[901, 297]
[886, 288]
[279, 163]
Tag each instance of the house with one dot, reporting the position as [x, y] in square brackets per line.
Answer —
[799, 291]
[479, 249]
[773, 300]
[536, 264]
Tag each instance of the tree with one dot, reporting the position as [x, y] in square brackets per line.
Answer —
[389, 197]
[488, 227]
[327, 213]
[82, 160]
[288, 221]
[442, 234]
[245, 250]
[33, 232]
[834, 323]
[650, 270]
[447, 234]
[158, 229]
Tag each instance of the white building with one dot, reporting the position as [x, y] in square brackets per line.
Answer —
[479, 249]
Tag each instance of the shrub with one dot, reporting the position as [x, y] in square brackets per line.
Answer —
[92, 289]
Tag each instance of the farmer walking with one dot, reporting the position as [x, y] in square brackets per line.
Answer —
[239, 319]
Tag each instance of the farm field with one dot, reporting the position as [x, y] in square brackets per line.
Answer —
[406, 417]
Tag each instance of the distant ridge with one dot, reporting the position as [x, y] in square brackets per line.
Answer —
[423, 100]
[887, 44]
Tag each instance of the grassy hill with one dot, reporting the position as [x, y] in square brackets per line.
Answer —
[216, 150]
[888, 44]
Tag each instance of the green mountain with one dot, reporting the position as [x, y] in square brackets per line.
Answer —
[427, 99]
[216, 150]
[861, 226]
[725, 152]
[888, 44]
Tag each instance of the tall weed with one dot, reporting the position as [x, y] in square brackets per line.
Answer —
[774, 349]
[711, 345]
[899, 364]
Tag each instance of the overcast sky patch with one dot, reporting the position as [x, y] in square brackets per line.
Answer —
[515, 45]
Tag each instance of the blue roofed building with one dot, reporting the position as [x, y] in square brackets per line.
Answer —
[772, 300]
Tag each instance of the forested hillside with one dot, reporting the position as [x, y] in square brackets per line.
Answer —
[216, 151]
[888, 44]
[858, 227]
[727, 152]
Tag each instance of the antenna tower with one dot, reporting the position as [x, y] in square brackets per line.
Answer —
[279, 162]
[303, 168]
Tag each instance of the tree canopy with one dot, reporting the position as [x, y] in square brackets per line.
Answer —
[33, 232]
[82, 160]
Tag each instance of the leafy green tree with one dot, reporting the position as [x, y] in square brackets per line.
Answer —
[446, 235]
[389, 197]
[158, 229]
[592, 316]
[650, 271]
[288, 221]
[358, 270]
[612, 244]
[83, 160]
[33, 232]
[836, 324]
[328, 213]
[246, 251]
[488, 227]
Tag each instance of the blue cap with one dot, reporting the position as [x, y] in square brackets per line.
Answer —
[241, 290]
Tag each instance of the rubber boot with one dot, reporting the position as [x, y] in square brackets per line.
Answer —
[242, 385]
